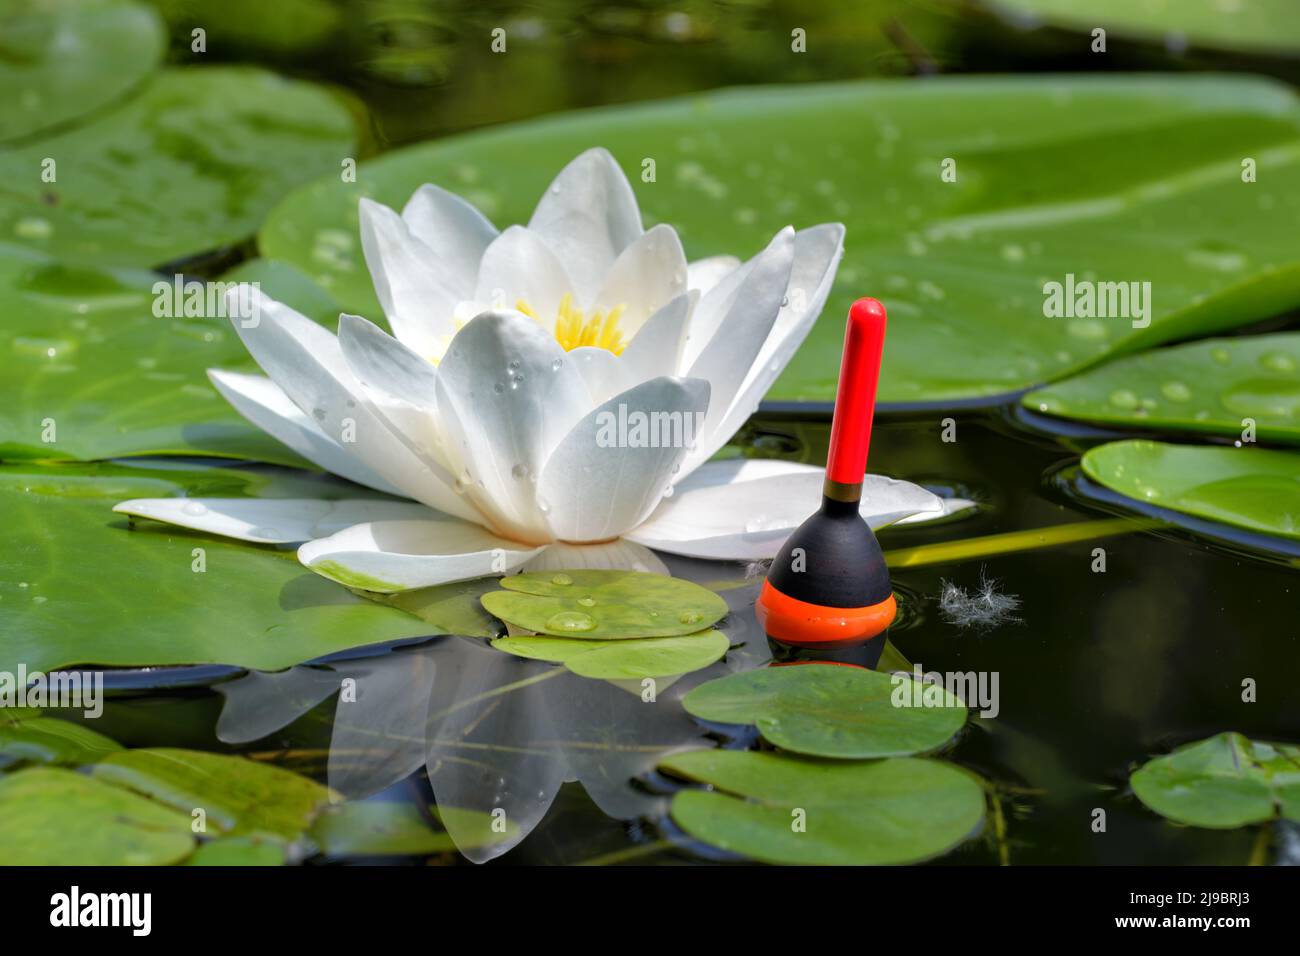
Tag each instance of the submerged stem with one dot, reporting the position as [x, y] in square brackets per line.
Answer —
[1013, 541]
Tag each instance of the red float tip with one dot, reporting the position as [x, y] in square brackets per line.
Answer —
[855, 399]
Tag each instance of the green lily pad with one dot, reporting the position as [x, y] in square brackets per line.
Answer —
[605, 605]
[283, 28]
[388, 828]
[1257, 25]
[1209, 387]
[90, 372]
[237, 851]
[1223, 781]
[55, 817]
[239, 797]
[64, 61]
[76, 581]
[961, 265]
[190, 164]
[828, 710]
[1253, 488]
[449, 608]
[634, 659]
[49, 740]
[795, 810]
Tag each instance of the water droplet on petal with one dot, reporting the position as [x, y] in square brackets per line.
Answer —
[520, 472]
[194, 509]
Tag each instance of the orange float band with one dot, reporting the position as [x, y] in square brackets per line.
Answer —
[801, 623]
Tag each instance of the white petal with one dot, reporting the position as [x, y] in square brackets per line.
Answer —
[417, 299]
[454, 231]
[402, 386]
[506, 397]
[389, 556]
[264, 404]
[703, 274]
[647, 274]
[657, 347]
[750, 520]
[520, 265]
[598, 484]
[307, 362]
[817, 252]
[732, 470]
[748, 314]
[270, 520]
[617, 555]
[602, 371]
[951, 507]
[588, 216]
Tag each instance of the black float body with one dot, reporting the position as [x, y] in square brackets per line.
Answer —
[842, 564]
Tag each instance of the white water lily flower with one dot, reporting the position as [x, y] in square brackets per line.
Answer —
[508, 402]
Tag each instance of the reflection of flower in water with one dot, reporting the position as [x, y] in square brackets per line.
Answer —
[493, 732]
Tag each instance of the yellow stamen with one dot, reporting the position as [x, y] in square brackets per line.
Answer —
[574, 329]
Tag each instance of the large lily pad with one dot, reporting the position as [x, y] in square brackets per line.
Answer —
[794, 810]
[1210, 387]
[387, 828]
[634, 659]
[80, 586]
[190, 164]
[961, 265]
[1223, 781]
[62, 61]
[605, 605]
[90, 372]
[1253, 488]
[50, 816]
[1256, 25]
[40, 739]
[829, 710]
[239, 797]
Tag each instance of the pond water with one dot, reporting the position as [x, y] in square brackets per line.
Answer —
[1097, 671]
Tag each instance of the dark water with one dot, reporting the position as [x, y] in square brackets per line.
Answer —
[1099, 671]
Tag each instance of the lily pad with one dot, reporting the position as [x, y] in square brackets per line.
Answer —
[961, 265]
[237, 851]
[450, 608]
[829, 710]
[783, 809]
[76, 577]
[283, 28]
[239, 797]
[388, 828]
[64, 61]
[50, 816]
[605, 605]
[1223, 781]
[190, 164]
[91, 372]
[1257, 25]
[1209, 387]
[634, 659]
[1253, 488]
[50, 740]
